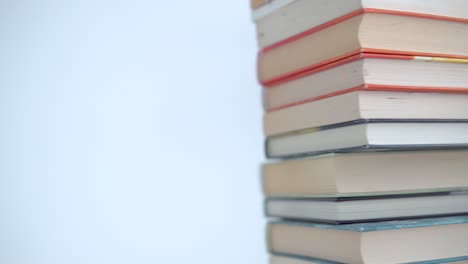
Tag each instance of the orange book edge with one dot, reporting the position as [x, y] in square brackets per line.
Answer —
[396, 54]
[257, 4]
[376, 87]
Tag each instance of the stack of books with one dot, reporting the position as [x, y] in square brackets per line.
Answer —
[366, 124]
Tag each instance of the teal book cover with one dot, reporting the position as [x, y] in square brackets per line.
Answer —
[388, 225]
[321, 261]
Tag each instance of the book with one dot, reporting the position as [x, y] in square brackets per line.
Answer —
[277, 259]
[376, 242]
[369, 136]
[281, 19]
[371, 31]
[351, 210]
[370, 72]
[367, 174]
[367, 105]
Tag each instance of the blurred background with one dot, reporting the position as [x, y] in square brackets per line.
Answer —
[130, 133]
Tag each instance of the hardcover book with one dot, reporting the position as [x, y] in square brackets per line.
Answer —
[371, 31]
[277, 259]
[379, 208]
[378, 242]
[370, 106]
[277, 20]
[375, 72]
[367, 174]
[369, 136]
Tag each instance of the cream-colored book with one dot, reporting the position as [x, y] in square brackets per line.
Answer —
[367, 105]
[281, 19]
[371, 32]
[378, 208]
[366, 72]
[369, 136]
[367, 174]
[375, 242]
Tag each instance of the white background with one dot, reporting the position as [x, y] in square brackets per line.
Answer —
[130, 133]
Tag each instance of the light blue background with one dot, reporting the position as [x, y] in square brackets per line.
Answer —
[130, 133]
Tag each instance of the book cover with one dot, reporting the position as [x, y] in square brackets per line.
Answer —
[386, 225]
[305, 260]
